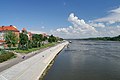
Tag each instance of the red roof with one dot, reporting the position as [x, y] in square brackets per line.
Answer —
[8, 28]
[30, 33]
[2, 41]
[24, 29]
[44, 34]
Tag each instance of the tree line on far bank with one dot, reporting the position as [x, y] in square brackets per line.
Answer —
[24, 43]
[116, 38]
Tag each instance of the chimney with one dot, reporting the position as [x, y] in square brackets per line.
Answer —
[10, 25]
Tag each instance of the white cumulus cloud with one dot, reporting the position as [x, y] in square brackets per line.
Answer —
[80, 23]
[113, 17]
[101, 27]
[36, 32]
[79, 28]
[97, 24]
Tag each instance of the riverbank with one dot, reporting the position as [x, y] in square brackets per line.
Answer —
[7, 64]
[32, 68]
[47, 69]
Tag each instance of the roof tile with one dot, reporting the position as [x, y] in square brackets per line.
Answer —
[8, 28]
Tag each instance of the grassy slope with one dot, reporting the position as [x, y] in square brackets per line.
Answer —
[34, 49]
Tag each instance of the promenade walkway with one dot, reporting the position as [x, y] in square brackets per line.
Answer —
[32, 68]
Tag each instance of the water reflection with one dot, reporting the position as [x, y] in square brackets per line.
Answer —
[87, 60]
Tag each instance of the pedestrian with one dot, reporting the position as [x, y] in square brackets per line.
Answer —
[23, 57]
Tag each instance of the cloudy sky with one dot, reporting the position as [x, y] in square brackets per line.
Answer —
[63, 18]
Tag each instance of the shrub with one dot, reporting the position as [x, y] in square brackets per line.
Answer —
[5, 56]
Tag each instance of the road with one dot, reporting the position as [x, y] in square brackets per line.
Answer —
[32, 68]
[7, 64]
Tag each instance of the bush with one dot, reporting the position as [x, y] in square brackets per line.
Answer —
[5, 56]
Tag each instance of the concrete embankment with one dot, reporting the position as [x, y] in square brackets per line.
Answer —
[32, 68]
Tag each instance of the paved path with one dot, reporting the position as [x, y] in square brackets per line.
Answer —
[32, 68]
[7, 64]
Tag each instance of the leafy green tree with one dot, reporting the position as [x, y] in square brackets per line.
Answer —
[11, 39]
[52, 39]
[36, 40]
[44, 38]
[29, 44]
[61, 39]
[23, 41]
[40, 37]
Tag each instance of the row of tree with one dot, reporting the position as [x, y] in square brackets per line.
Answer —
[24, 43]
[116, 38]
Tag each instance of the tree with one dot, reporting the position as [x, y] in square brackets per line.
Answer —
[23, 41]
[44, 38]
[36, 40]
[29, 45]
[40, 37]
[61, 39]
[11, 38]
[52, 39]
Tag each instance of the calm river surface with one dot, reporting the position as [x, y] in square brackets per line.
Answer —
[87, 60]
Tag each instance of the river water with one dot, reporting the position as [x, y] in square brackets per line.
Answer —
[87, 60]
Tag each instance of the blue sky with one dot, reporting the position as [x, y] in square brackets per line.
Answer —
[56, 16]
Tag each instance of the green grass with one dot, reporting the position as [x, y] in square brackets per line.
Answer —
[34, 49]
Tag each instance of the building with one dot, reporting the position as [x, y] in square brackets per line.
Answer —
[29, 34]
[3, 30]
[45, 35]
[2, 42]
